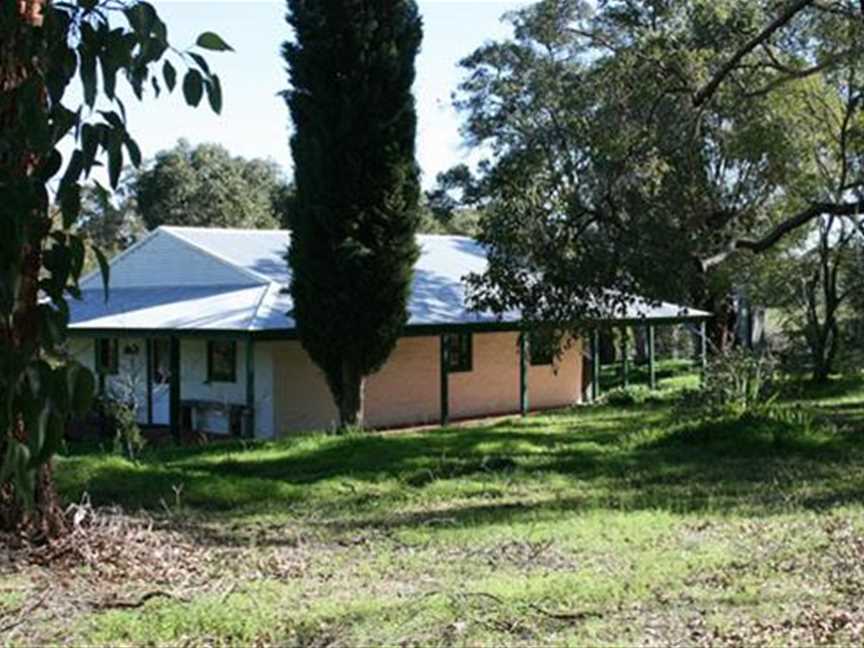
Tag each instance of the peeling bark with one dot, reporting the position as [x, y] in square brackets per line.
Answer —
[46, 519]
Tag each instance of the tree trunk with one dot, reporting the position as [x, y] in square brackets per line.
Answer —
[352, 396]
[46, 518]
[721, 328]
[824, 349]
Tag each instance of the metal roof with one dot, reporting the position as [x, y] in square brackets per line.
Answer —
[438, 295]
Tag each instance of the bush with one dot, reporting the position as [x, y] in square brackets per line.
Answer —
[739, 380]
[633, 395]
[127, 435]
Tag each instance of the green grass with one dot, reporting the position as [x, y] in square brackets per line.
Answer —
[599, 525]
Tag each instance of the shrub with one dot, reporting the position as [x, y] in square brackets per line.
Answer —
[127, 435]
[739, 380]
[625, 396]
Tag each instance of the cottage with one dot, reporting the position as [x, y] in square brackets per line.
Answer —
[197, 329]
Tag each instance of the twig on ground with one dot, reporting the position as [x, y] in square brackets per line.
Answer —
[25, 611]
[565, 616]
[141, 601]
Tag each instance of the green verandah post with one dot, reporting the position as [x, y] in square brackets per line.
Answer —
[174, 394]
[625, 360]
[595, 364]
[523, 373]
[444, 356]
[652, 361]
[148, 358]
[250, 387]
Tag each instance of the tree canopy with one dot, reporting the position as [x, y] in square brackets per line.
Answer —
[110, 222]
[632, 147]
[205, 186]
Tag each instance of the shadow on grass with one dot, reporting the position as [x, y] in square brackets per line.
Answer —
[639, 458]
[801, 388]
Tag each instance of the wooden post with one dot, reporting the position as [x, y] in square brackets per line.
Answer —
[703, 348]
[148, 358]
[444, 357]
[523, 373]
[250, 387]
[595, 364]
[652, 363]
[625, 361]
[174, 402]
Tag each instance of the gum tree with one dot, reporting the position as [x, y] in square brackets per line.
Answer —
[45, 46]
[615, 160]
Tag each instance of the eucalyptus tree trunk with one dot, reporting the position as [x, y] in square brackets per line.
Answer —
[823, 296]
[822, 333]
[20, 334]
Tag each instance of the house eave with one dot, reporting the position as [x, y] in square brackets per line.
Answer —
[411, 330]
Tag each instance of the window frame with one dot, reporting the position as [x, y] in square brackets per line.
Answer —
[112, 368]
[221, 378]
[464, 353]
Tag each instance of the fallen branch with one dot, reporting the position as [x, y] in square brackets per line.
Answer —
[565, 616]
[25, 611]
[125, 605]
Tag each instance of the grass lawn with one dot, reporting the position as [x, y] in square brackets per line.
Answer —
[598, 525]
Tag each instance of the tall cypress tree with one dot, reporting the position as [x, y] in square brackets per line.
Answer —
[353, 248]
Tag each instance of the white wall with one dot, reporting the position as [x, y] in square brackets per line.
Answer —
[193, 380]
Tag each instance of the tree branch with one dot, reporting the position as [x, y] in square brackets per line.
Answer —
[786, 227]
[711, 87]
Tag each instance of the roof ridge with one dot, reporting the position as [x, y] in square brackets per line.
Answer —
[250, 230]
[286, 232]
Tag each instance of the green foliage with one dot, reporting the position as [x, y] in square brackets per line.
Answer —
[462, 222]
[109, 223]
[41, 261]
[446, 208]
[355, 214]
[813, 287]
[206, 186]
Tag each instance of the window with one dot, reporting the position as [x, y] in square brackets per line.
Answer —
[542, 347]
[161, 361]
[106, 356]
[458, 352]
[221, 361]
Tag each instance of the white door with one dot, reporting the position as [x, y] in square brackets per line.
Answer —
[161, 404]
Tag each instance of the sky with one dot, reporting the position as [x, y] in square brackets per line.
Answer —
[254, 120]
